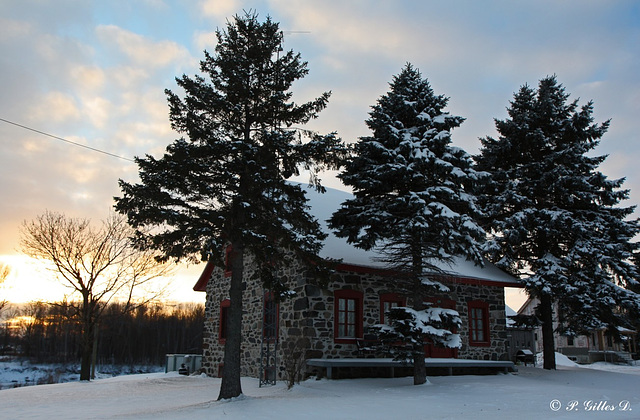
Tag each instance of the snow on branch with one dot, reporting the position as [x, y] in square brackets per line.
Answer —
[413, 328]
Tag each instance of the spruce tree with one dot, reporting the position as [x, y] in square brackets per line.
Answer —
[225, 183]
[554, 218]
[412, 192]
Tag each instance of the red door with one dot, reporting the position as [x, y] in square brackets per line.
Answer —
[430, 350]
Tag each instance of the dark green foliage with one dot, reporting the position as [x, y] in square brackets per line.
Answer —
[554, 218]
[226, 182]
[412, 188]
[413, 192]
[525, 321]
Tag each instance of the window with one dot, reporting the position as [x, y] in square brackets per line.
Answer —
[570, 340]
[479, 323]
[270, 316]
[224, 320]
[347, 316]
[388, 301]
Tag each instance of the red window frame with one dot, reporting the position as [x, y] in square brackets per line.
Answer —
[269, 299]
[479, 323]
[388, 299]
[347, 316]
[223, 320]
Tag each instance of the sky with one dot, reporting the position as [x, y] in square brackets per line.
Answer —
[94, 73]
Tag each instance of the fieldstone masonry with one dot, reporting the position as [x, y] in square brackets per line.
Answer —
[306, 320]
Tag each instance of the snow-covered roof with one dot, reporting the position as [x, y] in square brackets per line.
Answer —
[323, 206]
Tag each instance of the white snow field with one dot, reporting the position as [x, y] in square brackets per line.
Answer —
[571, 392]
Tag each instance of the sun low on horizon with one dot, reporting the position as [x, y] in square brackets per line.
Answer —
[30, 280]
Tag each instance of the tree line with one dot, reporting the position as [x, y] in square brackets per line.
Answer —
[50, 333]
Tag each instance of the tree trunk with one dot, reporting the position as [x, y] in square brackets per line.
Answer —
[419, 367]
[86, 340]
[230, 386]
[86, 353]
[94, 351]
[546, 314]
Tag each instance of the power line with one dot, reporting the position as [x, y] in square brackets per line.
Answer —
[67, 141]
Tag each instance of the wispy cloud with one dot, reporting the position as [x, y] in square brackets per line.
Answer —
[140, 50]
[220, 8]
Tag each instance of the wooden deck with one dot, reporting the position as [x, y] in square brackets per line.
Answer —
[450, 366]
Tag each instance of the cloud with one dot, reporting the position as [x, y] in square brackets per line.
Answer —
[141, 50]
[127, 78]
[205, 40]
[95, 73]
[61, 52]
[219, 8]
[89, 78]
[13, 29]
[97, 110]
[55, 106]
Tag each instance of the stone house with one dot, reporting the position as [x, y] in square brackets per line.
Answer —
[327, 322]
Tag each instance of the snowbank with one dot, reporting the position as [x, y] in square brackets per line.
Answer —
[561, 360]
[531, 394]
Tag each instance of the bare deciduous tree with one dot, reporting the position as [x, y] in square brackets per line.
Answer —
[100, 264]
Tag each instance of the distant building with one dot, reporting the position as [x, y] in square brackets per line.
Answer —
[520, 338]
[594, 347]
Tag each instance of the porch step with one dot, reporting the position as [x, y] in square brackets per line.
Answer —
[624, 357]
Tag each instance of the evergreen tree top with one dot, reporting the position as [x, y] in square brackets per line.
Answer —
[225, 180]
[409, 183]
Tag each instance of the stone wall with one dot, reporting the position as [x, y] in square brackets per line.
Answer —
[290, 327]
[494, 297]
[321, 313]
[306, 320]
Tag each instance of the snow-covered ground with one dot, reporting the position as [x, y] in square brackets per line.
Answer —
[608, 392]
